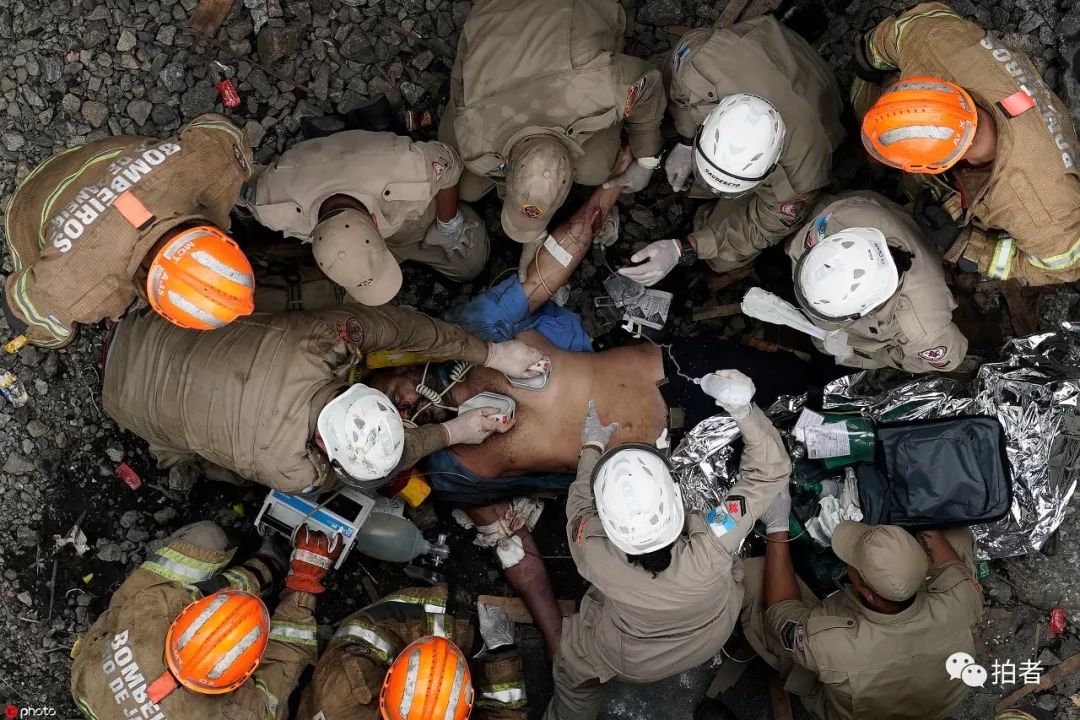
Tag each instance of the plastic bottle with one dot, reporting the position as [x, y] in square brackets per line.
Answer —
[390, 538]
[13, 389]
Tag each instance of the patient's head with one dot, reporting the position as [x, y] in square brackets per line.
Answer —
[399, 384]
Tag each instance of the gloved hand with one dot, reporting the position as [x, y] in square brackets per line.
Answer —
[475, 426]
[658, 259]
[837, 344]
[679, 166]
[636, 177]
[776, 515]
[528, 253]
[514, 358]
[496, 627]
[312, 557]
[732, 391]
[449, 235]
[594, 434]
[935, 221]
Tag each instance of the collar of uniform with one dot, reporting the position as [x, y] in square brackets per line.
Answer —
[904, 616]
[318, 402]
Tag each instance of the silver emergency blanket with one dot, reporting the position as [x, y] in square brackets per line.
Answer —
[1033, 389]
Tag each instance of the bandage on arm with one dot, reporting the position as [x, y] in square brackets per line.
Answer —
[550, 269]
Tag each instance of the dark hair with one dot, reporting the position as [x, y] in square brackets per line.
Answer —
[902, 259]
[654, 562]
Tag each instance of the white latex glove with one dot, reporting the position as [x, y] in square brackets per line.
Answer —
[836, 344]
[594, 433]
[636, 177]
[658, 259]
[496, 627]
[528, 253]
[776, 515]
[732, 391]
[475, 426]
[449, 235]
[679, 166]
[514, 358]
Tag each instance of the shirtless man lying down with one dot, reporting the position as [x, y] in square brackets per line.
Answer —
[642, 386]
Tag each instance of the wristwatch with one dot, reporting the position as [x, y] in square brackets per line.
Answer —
[688, 255]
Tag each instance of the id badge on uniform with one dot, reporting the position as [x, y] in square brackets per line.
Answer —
[722, 519]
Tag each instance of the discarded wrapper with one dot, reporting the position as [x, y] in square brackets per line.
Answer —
[1033, 389]
[129, 476]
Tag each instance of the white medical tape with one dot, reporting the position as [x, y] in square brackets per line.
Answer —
[561, 256]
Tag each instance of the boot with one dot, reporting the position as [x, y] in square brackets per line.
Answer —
[713, 709]
[806, 17]
[376, 115]
[317, 127]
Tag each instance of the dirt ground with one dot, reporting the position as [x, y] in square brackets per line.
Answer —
[75, 70]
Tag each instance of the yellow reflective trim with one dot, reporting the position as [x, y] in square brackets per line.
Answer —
[1058, 262]
[903, 22]
[502, 695]
[294, 633]
[237, 134]
[1001, 263]
[16, 261]
[271, 699]
[46, 209]
[85, 709]
[20, 298]
[176, 566]
[241, 580]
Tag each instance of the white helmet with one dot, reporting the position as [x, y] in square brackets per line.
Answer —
[739, 144]
[363, 433]
[639, 504]
[846, 275]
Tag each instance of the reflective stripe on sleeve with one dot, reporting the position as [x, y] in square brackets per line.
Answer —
[368, 634]
[20, 300]
[1004, 252]
[176, 566]
[271, 699]
[295, 633]
[505, 695]
[1058, 262]
[903, 22]
[85, 709]
[241, 580]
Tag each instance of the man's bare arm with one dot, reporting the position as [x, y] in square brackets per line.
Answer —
[780, 582]
[938, 550]
[547, 273]
[446, 204]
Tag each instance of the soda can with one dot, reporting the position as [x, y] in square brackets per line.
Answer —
[13, 389]
[1057, 621]
[228, 93]
[16, 345]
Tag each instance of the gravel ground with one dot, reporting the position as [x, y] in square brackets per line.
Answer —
[72, 71]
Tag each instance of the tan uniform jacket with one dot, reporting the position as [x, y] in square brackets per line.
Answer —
[76, 257]
[913, 331]
[395, 178]
[246, 397]
[527, 67]
[350, 672]
[640, 628]
[124, 650]
[762, 57]
[872, 665]
[1032, 191]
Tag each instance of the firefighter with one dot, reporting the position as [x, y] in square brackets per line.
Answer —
[993, 149]
[188, 637]
[98, 229]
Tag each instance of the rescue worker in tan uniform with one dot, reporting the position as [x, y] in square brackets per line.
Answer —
[540, 94]
[252, 400]
[864, 273]
[181, 636]
[352, 671]
[758, 113]
[97, 229]
[358, 188]
[877, 648]
[1001, 155]
[666, 585]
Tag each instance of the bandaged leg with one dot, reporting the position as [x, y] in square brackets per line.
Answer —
[506, 528]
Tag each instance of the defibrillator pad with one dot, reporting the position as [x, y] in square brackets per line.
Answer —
[937, 473]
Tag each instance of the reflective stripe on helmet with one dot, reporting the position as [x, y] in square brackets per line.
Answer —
[405, 706]
[455, 692]
[915, 132]
[294, 633]
[201, 620]
[182, 303]
[211, 263]
[383, 649]
[178, 567]
[234, 652]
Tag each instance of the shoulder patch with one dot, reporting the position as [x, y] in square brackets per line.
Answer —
[792, 210]
[438, 169]
[722, 519]
[577, 528]
[793, 636]
[816, 233]
[351, 331]
[934, 356]
[632, 96]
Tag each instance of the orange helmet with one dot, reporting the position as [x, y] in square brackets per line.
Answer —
[200, 279]
[920, 125]
[214, 645]
[429, 679]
